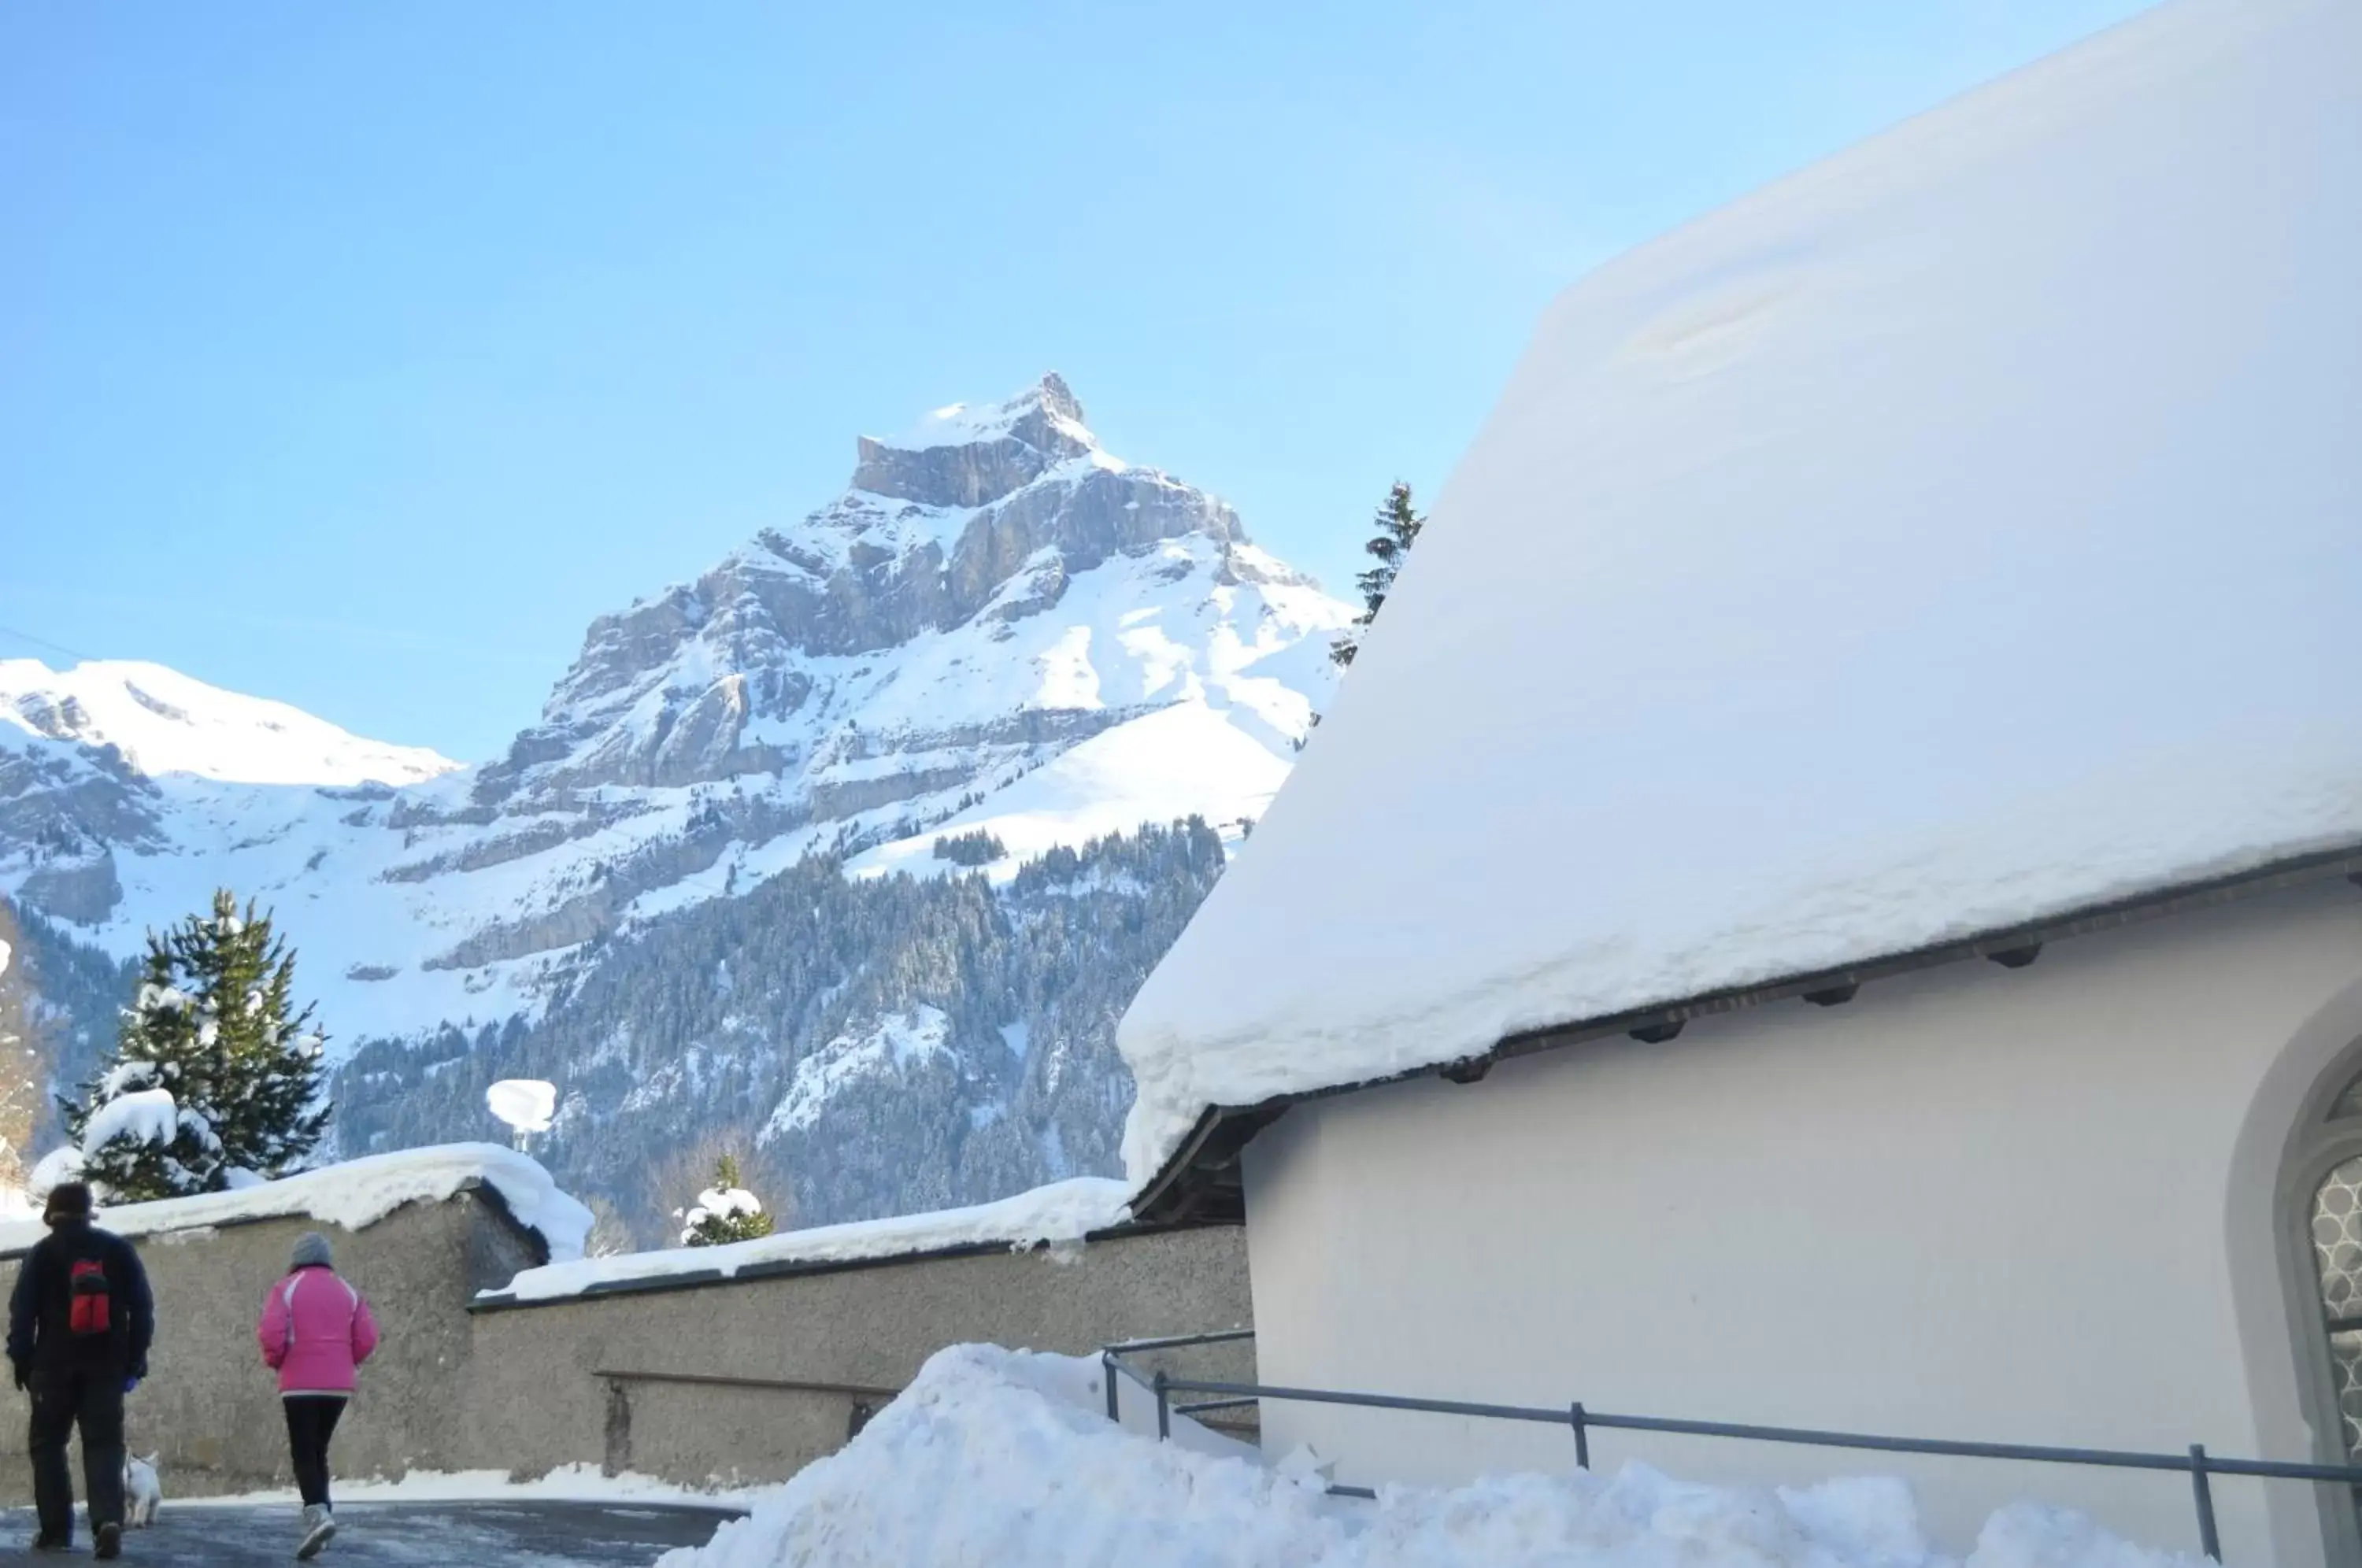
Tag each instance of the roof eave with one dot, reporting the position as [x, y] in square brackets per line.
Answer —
[1202, 1181]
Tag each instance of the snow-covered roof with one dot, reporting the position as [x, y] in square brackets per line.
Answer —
[1962, 532]
[357, 1194]
[1062, 1211]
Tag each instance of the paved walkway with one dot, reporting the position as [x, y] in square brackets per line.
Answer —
[404, 1535]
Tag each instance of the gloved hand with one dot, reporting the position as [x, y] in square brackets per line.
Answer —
[17, 1370]
[131, 1383]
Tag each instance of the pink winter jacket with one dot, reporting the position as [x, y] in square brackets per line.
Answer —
[316, 1331]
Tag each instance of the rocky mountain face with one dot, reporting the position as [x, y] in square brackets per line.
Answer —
[998, 645]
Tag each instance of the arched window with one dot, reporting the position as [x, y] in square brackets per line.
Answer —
[2326, 1196]
[2337, 1265]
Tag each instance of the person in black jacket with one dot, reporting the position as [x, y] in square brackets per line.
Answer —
[80, 1323]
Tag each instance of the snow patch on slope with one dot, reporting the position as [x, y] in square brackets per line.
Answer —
[165, 723]
[1179, 761]
[891, 1045]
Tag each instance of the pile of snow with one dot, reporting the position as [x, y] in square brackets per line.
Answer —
[352, 1196]
[164, 722]
[1060, 1213]
[523, 1105]
[1957, 534]
[996, 1456]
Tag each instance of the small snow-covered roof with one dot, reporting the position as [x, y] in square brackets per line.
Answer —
[1963, 532]
[357, 1194]
[1062, 1211]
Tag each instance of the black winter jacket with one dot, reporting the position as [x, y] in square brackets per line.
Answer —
[40, 1311]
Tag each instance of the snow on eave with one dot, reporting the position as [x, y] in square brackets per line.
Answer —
[1060, 1213]
[356, 1195]
[1182, 1189]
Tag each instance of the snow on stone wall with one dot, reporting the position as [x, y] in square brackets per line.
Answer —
[1061, 1212]
[357, 1194]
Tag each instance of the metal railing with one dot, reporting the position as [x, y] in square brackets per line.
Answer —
[2196, 1463]
[1111, 1366]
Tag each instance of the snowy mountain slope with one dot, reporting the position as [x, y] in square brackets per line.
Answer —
[998, 622]
[162, 722]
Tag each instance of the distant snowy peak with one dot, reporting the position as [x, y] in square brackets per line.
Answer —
[958, 565]
[161, 722]
[972, 454]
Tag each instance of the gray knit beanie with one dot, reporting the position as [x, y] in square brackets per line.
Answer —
[311, 1252]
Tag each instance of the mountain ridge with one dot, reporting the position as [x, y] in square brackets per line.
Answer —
[998, 632]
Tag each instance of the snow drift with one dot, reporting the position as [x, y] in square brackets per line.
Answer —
[995, 1456]
[1957, 533]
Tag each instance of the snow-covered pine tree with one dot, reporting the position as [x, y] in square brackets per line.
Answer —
[725, 1212]
[1398, 528]
[215, 1072]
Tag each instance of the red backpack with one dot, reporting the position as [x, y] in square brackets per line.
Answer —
[92, 1313]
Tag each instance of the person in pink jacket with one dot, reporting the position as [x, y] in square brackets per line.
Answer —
[315, 1333]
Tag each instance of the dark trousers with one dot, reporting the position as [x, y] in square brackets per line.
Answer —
[311, 1422]
[65, 1399]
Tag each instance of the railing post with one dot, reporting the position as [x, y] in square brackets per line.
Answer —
[1107, 1373]
[2209, 1540]
[1163, 1407]
[1582, 1436]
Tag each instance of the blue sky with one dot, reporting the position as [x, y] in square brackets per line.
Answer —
[359, 356]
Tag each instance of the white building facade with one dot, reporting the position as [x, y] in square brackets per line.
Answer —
[2072, 1204]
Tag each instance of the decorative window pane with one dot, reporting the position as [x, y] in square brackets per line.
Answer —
[2337, 1240]
[2346, 1361]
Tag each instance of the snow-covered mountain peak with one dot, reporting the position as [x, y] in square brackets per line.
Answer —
[1056, 646]
[161, 721]
[1045, 413]
[970, 455]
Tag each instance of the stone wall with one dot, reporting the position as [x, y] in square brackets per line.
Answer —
[682, 1383]
[211, 1407]
[676, 1380]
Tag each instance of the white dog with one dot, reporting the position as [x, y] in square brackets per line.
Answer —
[142, 1491]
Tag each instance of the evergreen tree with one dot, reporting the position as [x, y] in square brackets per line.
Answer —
[216, 1071]
[1398, 528]
[725, 1212]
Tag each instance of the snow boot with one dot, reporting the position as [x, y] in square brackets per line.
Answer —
[319, 1528]
[107, 1542]
[45, 1541]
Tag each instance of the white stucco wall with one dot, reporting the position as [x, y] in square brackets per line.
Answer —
[2022, 1205]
